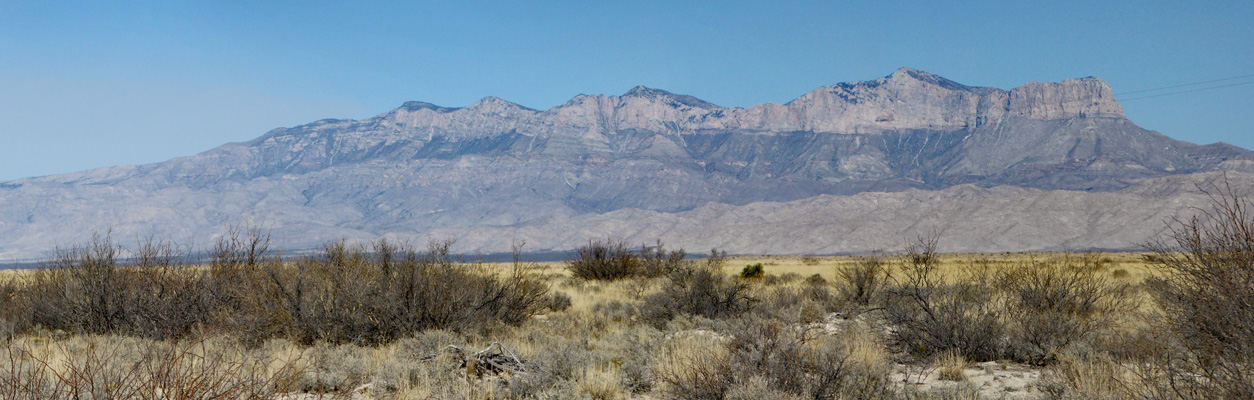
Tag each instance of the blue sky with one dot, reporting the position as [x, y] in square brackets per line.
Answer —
[107, 83]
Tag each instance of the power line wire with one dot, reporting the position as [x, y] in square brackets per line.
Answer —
[1186, 91]
[1184, 85]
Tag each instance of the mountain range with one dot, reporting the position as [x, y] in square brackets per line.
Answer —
[849, 168]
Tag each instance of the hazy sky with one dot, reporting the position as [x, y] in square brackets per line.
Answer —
[85, 86]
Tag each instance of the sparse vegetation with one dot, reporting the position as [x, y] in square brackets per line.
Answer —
[383, 320]
[612, 259]
[342, 294]
[1207, 297]
[863, 282]
[698, 289]
[933, 316]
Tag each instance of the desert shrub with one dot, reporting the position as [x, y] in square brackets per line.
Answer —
[559, 301]
[863, 282]
[757, 388]
[809, 260]
[1051, 305]
[104, 367]
[752, 271]
[694, 367]
[698, 290]
[816, 279]
[92, 289]
[604, 260]
[1206, 292]
[639, 346]
[657, 261]
[768, 279]
[794, 304]
[1096, 378]
[16, 314]
[931, 316]
[614, 310]
[923, 250]
[345, 294]
[638, 288]
[759, 354]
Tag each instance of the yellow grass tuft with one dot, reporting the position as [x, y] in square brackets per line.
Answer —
[950, 366]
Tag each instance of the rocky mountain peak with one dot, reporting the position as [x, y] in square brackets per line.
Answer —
[662, 95]
[492, 104]
[649, 161]
[1090, 97]
[914, 75]
[422, 105]
[646, 92]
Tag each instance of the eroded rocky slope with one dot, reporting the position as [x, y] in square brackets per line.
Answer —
[840, 161]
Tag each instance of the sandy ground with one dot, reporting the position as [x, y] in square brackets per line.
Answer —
[994, 379]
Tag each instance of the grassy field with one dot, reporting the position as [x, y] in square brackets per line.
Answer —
[379, 321]
[1124, 267]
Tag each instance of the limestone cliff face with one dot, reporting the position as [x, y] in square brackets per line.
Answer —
[1070, 98]
[907, 99]
[648, 162]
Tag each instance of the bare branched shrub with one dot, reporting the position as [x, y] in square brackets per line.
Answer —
[657, 261]
[804, 304]
[931, 316]
[349, 295]
[612, 259]
[559, 301]
[92, 289]
[83, 288]
[716, 260]
[1054, 304]
[604, 260]
[1207, 294]
[863, 282]
[923, 250]
[236, 294]
[16, 310]
[698, 290]
[345, 293]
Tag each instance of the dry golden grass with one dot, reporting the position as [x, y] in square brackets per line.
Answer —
[950, 366]
[589, 352]
[950, 265]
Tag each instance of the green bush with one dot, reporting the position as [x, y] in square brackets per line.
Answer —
[752, 271]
